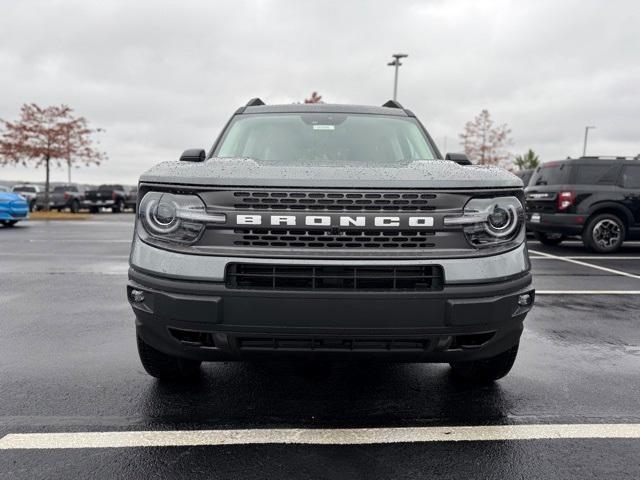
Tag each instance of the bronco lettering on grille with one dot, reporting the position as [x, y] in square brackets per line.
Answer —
[338, 220]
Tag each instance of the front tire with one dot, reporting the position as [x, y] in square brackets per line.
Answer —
[166, 367]
[9, 223]
[486, 370]
[549, 239]
[604, 233]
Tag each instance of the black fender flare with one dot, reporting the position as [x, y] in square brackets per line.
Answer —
[596, 208]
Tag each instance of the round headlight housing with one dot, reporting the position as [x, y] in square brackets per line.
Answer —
[491, 221]
[174, 218]
[502, 220]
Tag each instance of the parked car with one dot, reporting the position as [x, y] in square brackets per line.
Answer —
[524, 175]
[13, 207]
[131, 199]
[29, 192]
[63, 196]
[110, 196]
[596, 198]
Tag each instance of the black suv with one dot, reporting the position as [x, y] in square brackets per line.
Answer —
[597, 198]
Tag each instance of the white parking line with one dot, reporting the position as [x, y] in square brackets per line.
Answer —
[338, 436]
[585, 264]
[73, 240]
[586, 257]
[587, 292]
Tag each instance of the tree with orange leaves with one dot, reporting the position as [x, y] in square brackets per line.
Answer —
[45, 135]
[484, 142]
[314, 98]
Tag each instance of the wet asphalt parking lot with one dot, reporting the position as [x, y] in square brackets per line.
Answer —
[68, 363]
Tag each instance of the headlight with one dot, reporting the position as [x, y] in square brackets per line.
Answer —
[175, 218]
[490, 221]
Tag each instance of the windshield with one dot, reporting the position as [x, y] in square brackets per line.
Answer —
[551, 173]
[25, 189]
[3, 189]
[325, 139]
[525, 176]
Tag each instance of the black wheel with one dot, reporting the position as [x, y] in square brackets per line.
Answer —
[75, 206]
[166, 367]
[118, 207]
[604, 233]
[550, 239]
[9, 223]
[94, 209]
[486, 370]
[32, 206]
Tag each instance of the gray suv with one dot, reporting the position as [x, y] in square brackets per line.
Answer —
[328, 231]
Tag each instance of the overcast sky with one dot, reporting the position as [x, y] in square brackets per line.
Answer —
[161, 77]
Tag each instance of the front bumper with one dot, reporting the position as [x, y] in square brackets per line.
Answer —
[205, 320]
[564, 223]
[99, 203]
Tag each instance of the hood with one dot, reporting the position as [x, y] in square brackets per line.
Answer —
[11, 197]
[430, 174]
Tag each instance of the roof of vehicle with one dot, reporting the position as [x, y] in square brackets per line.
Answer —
[324, 108]
[593, 159]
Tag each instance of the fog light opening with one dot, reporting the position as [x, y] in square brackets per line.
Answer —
[137, 296]
[525, 299]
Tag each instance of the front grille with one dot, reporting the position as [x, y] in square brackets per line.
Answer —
[334, 201]
[297, 238]
[329, 343]
[304, 238]
[333, 344]
[325, 277]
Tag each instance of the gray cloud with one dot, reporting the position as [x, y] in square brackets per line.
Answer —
[161, 77]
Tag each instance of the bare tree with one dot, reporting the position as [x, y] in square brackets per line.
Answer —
[45, 135]
[485, 143]
[314, 98]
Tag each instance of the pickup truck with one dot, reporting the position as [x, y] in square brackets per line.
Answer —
[109, 196]
[29, 192]
[329, 231]
[131, 198]
[61, 197]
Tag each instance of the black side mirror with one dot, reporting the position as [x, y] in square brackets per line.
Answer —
[459, 158]
[193, 155]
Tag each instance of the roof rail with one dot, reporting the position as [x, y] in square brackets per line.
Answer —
[255, 102]
[606, 157]
[392, 104]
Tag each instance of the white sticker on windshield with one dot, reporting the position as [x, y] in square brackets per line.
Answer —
[324, 127]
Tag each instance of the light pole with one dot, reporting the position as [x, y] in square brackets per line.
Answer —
[586, 134]
[396, 63]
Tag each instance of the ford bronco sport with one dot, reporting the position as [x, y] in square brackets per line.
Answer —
[596, 198]
[328, 231]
